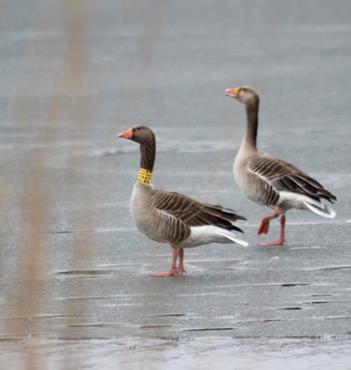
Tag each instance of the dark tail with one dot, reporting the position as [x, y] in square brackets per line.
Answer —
[223, 217]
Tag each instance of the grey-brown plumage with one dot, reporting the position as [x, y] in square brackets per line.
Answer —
[270, 181]
[194, 213]
[168, 217]
[172, 217]
[283, 176]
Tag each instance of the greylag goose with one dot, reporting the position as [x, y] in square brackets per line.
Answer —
[173, 218]
[270, 181]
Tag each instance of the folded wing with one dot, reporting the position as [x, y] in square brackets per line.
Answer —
[274, 176]
[194, 213]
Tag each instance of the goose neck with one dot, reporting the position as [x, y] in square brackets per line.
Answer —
[250, 138]
[147, 160]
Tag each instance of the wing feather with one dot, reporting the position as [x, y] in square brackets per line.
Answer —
[194, 213]
[283, 176]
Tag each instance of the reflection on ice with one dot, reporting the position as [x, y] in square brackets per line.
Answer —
[177, 353]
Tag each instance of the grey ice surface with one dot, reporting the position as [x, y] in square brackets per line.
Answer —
[166, 64]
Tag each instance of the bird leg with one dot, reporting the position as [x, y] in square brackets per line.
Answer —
[264, 227]
[281, 239]
[174, 270]
[181, 269]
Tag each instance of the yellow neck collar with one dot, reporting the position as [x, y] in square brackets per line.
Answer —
[144, 176]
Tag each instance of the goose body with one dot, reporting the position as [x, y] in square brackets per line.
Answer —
[276, 183]
[170, 217]
[270, 181]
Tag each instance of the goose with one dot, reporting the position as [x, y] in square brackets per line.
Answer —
[270, 181]
[170, 217]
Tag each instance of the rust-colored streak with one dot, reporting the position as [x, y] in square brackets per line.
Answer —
[28, 295]
[76, 20]
[31, 280]
[25, 299]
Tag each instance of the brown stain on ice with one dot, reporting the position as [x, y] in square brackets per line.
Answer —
[28, 295]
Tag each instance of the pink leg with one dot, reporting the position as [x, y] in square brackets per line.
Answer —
[173, 271]
[281, 239]
[181, 269]
[264, 227]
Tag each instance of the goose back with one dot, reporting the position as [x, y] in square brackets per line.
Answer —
[267, 177]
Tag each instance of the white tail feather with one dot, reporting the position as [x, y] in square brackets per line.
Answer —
[231, 236]
[321, 210]
[299, 201]
[211, 234]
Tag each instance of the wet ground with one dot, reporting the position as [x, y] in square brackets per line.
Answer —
[75, 284]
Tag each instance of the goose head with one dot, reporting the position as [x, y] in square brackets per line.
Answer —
[139, 134]
[245, 94]
[146, 138]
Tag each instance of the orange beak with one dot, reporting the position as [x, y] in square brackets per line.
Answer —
[233, 92]
[128, 134]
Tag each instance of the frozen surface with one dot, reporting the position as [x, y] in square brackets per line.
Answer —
[190, 353]
[73, 74]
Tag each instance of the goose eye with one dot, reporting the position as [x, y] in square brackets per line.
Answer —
[243, 88]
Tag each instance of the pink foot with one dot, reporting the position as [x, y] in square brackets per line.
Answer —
[166, 273]
[274, 243]
[263, 228]
[181, 271]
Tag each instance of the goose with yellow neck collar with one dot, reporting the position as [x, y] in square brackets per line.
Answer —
[174, 218]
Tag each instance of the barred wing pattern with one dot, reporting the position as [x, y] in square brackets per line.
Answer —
[194, 213]
[275, 175]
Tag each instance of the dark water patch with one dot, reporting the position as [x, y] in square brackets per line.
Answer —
[326, 301]
[290, 308]
[93, 273]
[208, 329]
[55, 232]
[264, 320]
[168, 314]
[330, 268]
[288, 285]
